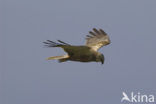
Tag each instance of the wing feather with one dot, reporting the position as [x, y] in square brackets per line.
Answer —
[97, 39]
[96, 31]
[50, 43]
[70, 49]
[93, 34]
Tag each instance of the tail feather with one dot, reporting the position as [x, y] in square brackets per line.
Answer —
[58, 57]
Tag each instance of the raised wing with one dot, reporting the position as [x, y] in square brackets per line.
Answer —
[97, 39]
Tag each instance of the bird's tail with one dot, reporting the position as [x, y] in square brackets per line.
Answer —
[60, 58]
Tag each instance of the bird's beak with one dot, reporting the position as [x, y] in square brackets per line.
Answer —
[102, 61]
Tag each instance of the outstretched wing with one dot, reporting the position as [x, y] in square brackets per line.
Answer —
[97, 39]
[61, 44]
[50, 43]
[67, 47]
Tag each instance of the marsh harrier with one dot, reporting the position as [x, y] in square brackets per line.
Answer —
[84, 53]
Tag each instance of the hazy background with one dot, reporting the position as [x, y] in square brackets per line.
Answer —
[27, 78]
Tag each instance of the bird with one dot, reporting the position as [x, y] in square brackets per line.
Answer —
[82, 53]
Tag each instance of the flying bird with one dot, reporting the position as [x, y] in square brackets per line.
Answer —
[84, 53]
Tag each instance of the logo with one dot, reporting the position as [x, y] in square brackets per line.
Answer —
[137, 97]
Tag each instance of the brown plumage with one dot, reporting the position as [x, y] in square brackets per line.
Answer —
[85, 53]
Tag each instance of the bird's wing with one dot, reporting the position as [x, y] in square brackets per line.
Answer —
[50, 43]
[67, 47]
[97, 39]
[61, 44]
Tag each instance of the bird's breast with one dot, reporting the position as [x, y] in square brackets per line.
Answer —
[83, 57]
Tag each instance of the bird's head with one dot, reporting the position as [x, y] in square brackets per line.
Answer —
[100, 58]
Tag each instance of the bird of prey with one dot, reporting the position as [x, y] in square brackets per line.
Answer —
[84, 53]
